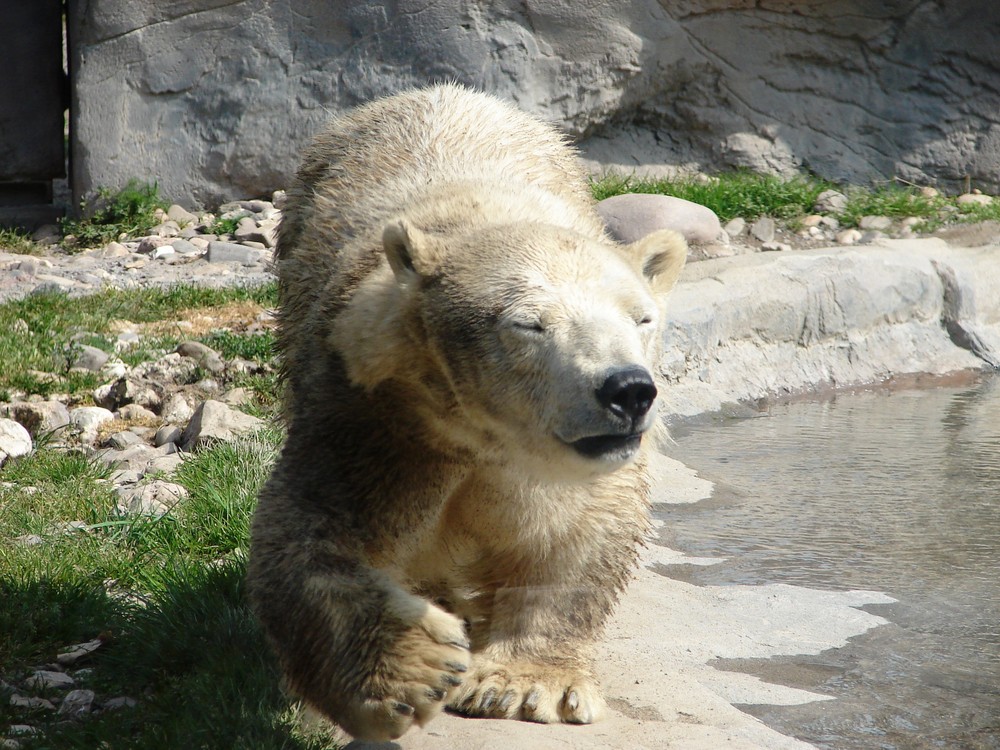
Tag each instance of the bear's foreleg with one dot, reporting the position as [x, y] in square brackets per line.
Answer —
[534, 655]
[353, 644]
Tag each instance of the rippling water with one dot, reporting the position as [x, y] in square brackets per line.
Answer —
[894, 491]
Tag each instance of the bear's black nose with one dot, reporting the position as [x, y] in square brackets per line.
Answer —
[628, 393]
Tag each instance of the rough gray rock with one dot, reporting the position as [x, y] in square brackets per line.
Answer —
[77, 703]
[213, 420]
[37, 417]
[849, 91]
[632, 216]
[44, 678]
[154, 499]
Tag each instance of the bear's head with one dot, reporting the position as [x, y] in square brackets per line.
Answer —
[529, 342]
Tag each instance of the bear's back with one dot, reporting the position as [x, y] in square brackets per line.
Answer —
[377, 160]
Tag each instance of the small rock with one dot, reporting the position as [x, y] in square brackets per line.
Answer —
[168, 433]
[148, 244]
[876, 223]
[114, 704]
[31, 702]
[166, 464]
[974, 198]
[278, 198]
[236, 397]
[176, 409]
[162, 252]
[136, 412]
[735, 227]
[812, 220]
[848, 237]
[44, 678]
[229, 252]
[87, 419]
[180, 215]
[154, 499]
[37, 417]
[205, 356]
[122, 440]
[830, 202]
[763, 229]
[135, 457]
[29, 540]
[184, 247]
[872, 235]
[77, 652]
[14, 440]
[213, 420]
[631, 217]
[89, 357]
[828, 222]
[77, 703]
[20, 327]
[112, 250]
[775, 246]
[929, 192]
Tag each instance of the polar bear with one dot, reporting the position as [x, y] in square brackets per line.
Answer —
[471, 385]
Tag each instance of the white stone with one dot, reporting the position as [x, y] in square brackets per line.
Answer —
[631, 217]
[849, 237]
[14, 440]
[88, 419]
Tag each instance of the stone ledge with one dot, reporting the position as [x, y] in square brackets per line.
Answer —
[748, 327]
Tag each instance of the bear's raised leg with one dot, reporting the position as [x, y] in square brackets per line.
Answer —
[372, 657]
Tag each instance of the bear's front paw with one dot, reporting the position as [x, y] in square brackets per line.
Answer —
[531, 692]
[418, 674]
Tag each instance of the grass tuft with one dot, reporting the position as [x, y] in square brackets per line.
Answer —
[128, 212]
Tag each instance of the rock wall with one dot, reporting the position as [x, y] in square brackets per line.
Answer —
[215, 98]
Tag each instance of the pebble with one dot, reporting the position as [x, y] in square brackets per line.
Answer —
[875, 223]
[154, 500]
[849, 237]
[830, 202]
[44, 678]
[77, 703]
[763, 229]
[214, 420]
[735, 227]
[974, 198]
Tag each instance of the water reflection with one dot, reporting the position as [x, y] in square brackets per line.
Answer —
[897, 492]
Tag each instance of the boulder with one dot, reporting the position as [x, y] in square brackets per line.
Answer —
[631, 217]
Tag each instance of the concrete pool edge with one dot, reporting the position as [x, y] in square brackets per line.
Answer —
[754, 326]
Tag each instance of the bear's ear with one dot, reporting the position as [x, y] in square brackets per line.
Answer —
[411, 252]
[661, 256]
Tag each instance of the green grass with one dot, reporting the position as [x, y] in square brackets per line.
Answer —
[165, 595]
[128, 212]
[36, 330]
[744, 194]
[750, 196]
[16, 241]
[226, 226]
